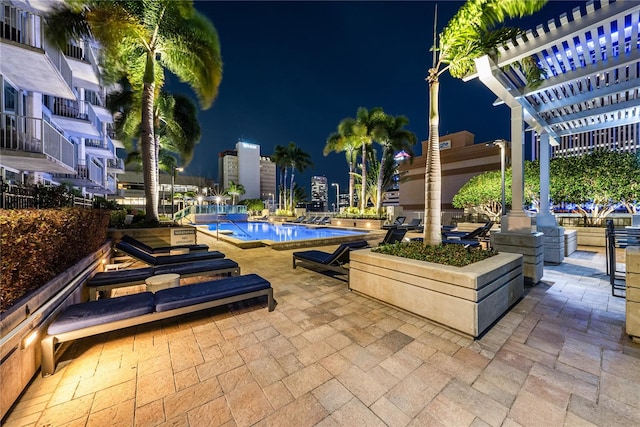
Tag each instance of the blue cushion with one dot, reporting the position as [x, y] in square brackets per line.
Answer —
[168, 299]
[120, 276]
[136, 253]
[163, 249]
[84, 315]
[314, 256]
[191, 256]
[196, 266]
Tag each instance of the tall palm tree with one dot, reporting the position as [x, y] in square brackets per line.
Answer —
[300, 160]
[141, 40]
[340, 141]
[280, 157]
[389, 132]
[470, 34]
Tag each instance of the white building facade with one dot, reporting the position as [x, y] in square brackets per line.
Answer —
[54, 127]
[245, 166]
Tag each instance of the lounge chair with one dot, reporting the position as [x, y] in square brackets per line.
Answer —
[107, 280]
[394, 235]
[298, 220]
[398, 222]
[147, 258]
[329, 261]
[479, 233]
[162, 249]
[311, 219]
[324, 220]
[414, 224]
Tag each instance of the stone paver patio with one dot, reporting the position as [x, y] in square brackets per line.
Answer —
[330, 357]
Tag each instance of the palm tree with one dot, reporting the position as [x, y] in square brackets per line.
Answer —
[141, 39]
[299, 160]
[389, 132]
[356, 133]
[280, 157]
[235, 190]
[340, 141]
[470, 34]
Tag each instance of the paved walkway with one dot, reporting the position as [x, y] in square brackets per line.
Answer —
[330, 357]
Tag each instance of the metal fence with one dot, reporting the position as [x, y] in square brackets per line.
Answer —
[39, 197]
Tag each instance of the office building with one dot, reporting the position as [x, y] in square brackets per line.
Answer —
[245, 166]
[319, 193]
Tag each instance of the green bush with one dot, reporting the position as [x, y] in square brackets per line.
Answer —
[455, 255]
[39, 244]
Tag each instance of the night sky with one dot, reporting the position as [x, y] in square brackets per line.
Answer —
[293, 70]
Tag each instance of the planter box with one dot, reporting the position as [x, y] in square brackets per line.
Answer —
[369, 224]
[590, 236]
[632, 281]
[30, 317]
[468, 299]
[158, 236]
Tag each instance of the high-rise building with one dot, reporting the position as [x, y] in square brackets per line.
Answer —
[54, 126]
[245, 166]
[319, 193]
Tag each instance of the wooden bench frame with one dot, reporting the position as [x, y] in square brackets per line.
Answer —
[48, 344]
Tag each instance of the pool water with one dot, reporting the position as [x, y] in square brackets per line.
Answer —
[249, 231]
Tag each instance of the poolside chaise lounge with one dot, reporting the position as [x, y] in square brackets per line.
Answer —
[394, 235]
[398, 222]
[330, 261]
[162, 249]
[479, 233]
[97, 317]
[150, 259]
[414, 224]
[108, 280]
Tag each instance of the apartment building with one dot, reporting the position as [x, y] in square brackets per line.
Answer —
[319, 193]
[54, 127]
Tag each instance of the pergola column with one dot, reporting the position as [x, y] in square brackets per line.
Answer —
[516, 221]
[545, 220]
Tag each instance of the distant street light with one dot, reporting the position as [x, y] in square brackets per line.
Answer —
[503, 148]
[173, 183]
[335, 184]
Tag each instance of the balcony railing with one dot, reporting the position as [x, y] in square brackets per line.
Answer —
[34, 135]
[15, 25]
[115, 164]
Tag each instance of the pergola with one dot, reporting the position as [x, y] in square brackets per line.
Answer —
[593, 83]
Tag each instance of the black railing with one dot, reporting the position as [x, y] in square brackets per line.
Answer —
[39, 197]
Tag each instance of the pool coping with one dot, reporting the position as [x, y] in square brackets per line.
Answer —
[295, 244]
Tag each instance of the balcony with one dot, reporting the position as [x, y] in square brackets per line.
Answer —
[31, 144]
[115, 166]
[27, 60]
[88, 175]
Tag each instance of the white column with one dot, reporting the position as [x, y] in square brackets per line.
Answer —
[545, 217]
[516, 221]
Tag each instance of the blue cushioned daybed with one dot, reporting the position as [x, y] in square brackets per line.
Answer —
[105, 315]
[108, 280]
[147, 258]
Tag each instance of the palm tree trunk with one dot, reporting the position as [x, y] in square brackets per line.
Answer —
[284, 188]
[293, 170]
[147, 142]
[380, 176]
[352, 181]
[432, 180]
[363, 203]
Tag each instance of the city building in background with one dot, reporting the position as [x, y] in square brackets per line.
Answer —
[245, 166]
[54, 127]
[319, 194]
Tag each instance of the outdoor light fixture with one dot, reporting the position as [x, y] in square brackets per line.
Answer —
[503, 148]
[173, 183]
[335, 184]
[29, 339]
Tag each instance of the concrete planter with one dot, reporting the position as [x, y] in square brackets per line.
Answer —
[590, 236]
[30, 318]
[369, 224]
[632, 281]
[468, 299]
[158, 236]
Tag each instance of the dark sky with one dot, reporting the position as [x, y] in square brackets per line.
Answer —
[293, 70]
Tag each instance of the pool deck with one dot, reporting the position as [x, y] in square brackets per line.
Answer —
[330, 357]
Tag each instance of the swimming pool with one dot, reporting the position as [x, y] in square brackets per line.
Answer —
[278, 232]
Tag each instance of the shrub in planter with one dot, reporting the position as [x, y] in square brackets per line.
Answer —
[39, 244]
